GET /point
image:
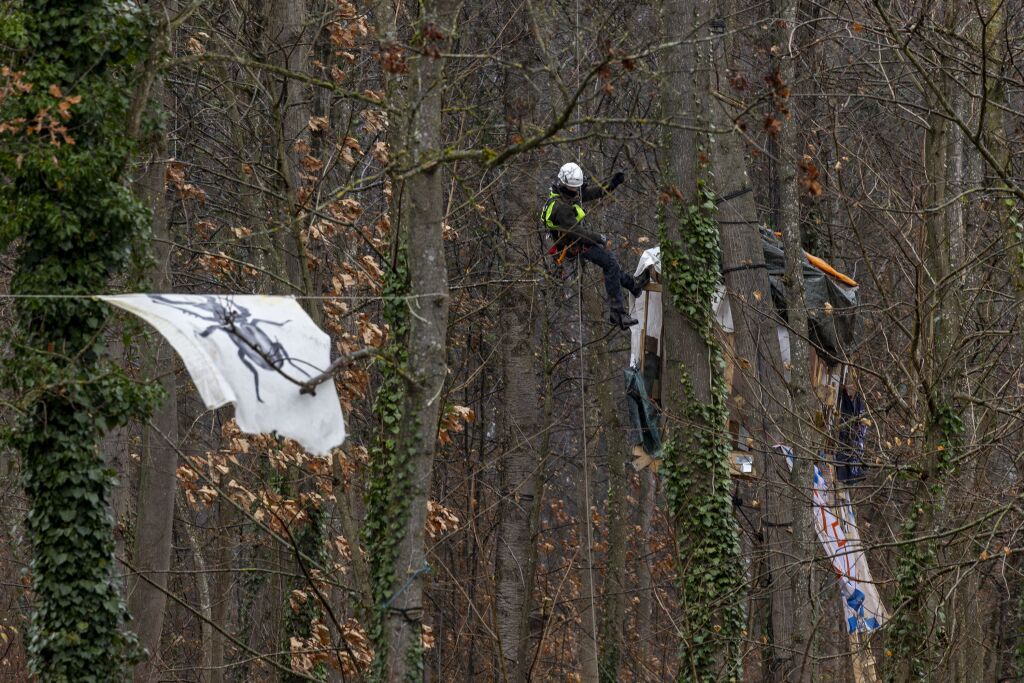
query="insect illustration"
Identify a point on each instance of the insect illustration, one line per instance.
(256, 348)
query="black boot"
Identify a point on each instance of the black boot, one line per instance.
(639, 282)
(621, 318)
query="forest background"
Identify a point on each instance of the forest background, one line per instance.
(387, 162)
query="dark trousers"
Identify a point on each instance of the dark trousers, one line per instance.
(614, 277)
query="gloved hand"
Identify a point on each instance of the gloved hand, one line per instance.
(618, 179)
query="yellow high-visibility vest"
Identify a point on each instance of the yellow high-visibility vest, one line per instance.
(550, 206)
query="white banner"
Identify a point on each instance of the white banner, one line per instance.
(238, 349)
(841, 541)
(646, 309)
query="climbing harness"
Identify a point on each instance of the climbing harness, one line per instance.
(569, 251)
(554, 230)
(549, 206)
(572, 250)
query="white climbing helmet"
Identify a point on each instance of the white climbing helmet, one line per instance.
(571, 175)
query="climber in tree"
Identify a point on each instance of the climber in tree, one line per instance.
(563, 216)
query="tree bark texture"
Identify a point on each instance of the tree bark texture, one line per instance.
(157, 483)
(759, 400)
(158, 468)
(289, 41)
(793, 629)
(525, 433)
(419, 207)
(696, 478)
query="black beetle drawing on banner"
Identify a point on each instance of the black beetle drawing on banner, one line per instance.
(256, 348)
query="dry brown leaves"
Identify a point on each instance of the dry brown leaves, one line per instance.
(346, 32)
(45, 123)
(380, 152)
(353, 658)
(453, 422)
(346, 211)
(174, 175)
(440, 520)
(809, 177)
(375, 121)
(318, 124)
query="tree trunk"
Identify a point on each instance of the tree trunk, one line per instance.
(151, 555)
(792, 630)
(289, 42)
(696, 470)
(606, 419)
(516, 551)
(759, 401)
(587, 606)
(522, 463)
(418, 210)
(645, 586)
(919, 630)
(70, 394)
(525, 657)
(423, 395)
(213, 653)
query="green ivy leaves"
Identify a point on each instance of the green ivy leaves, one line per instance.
(389, 484)
(77, 224)
(908, 635)
(696, 470)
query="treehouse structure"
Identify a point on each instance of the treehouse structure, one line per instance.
(831, 300)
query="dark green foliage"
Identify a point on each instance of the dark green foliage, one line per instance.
(75, 225)
(389, 485)
(696, 467)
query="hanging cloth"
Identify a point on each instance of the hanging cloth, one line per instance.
(643, 414)
(646, 309)
(238, 349)
(841, 541)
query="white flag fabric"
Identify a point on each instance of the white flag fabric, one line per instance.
(649, 307)
(872, 613)
(646, 308)
(863, 605)
(237, 348)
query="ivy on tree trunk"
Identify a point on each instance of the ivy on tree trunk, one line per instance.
(74, 224)
(696, 469)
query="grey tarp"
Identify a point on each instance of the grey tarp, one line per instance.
(643, 414)
(832, 331)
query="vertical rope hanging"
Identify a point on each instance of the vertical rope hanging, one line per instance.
(586, 457)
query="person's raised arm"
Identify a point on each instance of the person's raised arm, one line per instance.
(596, 191)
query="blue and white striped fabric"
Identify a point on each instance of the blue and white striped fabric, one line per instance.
(840, 538)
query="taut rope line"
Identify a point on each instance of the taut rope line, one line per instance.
(586, 459)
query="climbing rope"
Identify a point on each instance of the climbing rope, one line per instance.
(586, 457)
(583, 374)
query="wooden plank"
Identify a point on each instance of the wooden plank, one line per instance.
(863, 659)
(825, 267)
